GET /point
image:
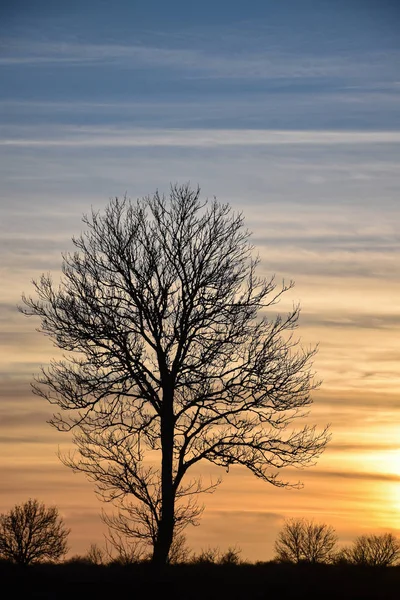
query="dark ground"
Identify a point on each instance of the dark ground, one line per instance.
(192, 582)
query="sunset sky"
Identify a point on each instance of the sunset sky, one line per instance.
(289, 111)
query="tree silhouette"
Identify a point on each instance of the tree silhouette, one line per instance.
(172, 358)
(30, 533)
(372, 550)
(305, 541)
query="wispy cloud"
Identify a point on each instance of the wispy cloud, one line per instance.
(354, 475)
(99, 136)
(24, 417)
(215, 63)
(356, 321)
(362, 447)
(37, 53)
(300, 109)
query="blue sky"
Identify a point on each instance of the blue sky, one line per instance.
(286, 65)
(289, 111)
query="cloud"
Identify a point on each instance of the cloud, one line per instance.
(7, 310)
(355, 405)
(24, 418)
(352, 241)
(205, 61)
(65, 53)
(246, 109)
(203, 138)
(355, 320)
(386, 356)
(362, 447)
(15, 387)
(20, 340)
(25, 252)
(342, 318)
(25, 245)
(247, 515)
(29, 439)
(52, 468)
(353, 475)
(58, 180)
(79, 515)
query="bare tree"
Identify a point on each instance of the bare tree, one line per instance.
(95, 555)
(172, 358)
(207, 556)
(30, 533)
(122, 550)
(305, 541)
(288, 546)
(179, 551)
(372, 550)
(231, 556)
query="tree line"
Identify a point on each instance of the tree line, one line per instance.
(30, 533)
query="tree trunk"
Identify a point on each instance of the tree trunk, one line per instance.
(166, 526)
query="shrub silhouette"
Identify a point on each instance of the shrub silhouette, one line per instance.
(214, 556)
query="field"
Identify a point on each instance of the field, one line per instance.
(233, 582)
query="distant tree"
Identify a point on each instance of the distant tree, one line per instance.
(95, 555)
(31, 533)
(179, 551)
(305, 541)
(173, 355)
(122, 550)
(231, 556)
(372, 550)
(208, 556)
